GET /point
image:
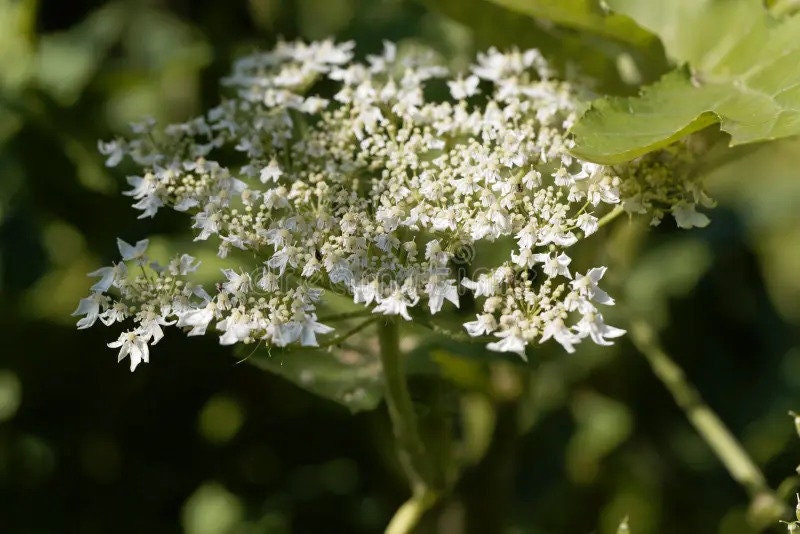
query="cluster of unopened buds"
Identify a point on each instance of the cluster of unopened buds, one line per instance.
(370, 179)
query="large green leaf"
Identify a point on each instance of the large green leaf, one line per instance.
(569, 35)
(744, 72)
(584, 15)
(17, 42)
(346, 377)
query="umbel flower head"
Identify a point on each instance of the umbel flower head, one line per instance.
(371, 179)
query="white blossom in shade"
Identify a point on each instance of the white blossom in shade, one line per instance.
(196, 319)
(686, 216)
(132, 252)
(556, 329)
(352, 177)
(483, 324)
(208, 223)
(462, 88)
(365, 292)
(235, 327)
(271, 173)
(307, 330)
(186, 204)
(511, 341)
(283, 258)
(151, 330)
(586, 285)
(588, 223)
(532, 179)
(237, 282)
(114, 314)
(485, 286)
(592, 325)
(268, 281)
(89, 307)
(149, 206)
(132, 345)
(108, 275)
(115, 151)
(525, 258)
(438, 292)
(143, 186)
(555, 265)
(396, 303)
(184, 265)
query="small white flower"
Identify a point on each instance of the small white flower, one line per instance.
(510, 342)
(237, 283)
(588, 223)
(564, 336)
(364, 292)
(483, 325)
(115, 151)
(305, 331)
(686, 216)
(90, 307)
(586, 285)
(395, 304)
(555, 265)
(462, 88)
(133, 345)
(532, 179)
(236, 327)
(271, 172)
(592, 325)
(132, 252)
(485, 286)
(440, 291)
(108, 276)
(184, 265)
(197, 319)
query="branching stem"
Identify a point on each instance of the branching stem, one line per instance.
(765, 504)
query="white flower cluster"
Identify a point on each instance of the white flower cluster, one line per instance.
(371, 179)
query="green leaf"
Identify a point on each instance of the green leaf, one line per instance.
(744, 72)
(671, 270)
(67, 60)
(616, 65)
(17, 41)
(343, 376)
(584, 15)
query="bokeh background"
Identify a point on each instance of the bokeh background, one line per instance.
(196, 442)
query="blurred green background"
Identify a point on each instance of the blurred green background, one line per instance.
(194, 442)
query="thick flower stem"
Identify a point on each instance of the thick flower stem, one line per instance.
(416, 463)
(409, 514)
(765, 506)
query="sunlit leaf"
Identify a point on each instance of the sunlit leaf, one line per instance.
(512, 23)
(17, 24)
(346, 377)
(744, 72)
(584, 15)
(602, 425)
(667, 271)
(66, 61)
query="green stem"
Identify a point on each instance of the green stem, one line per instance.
(344, 316)
(610, 216)
(359, 327)
(766, 507)
(416, 463)
(409, 514)
(462, 337)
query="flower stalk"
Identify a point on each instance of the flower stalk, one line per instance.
(417, 464)
(765, 508)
